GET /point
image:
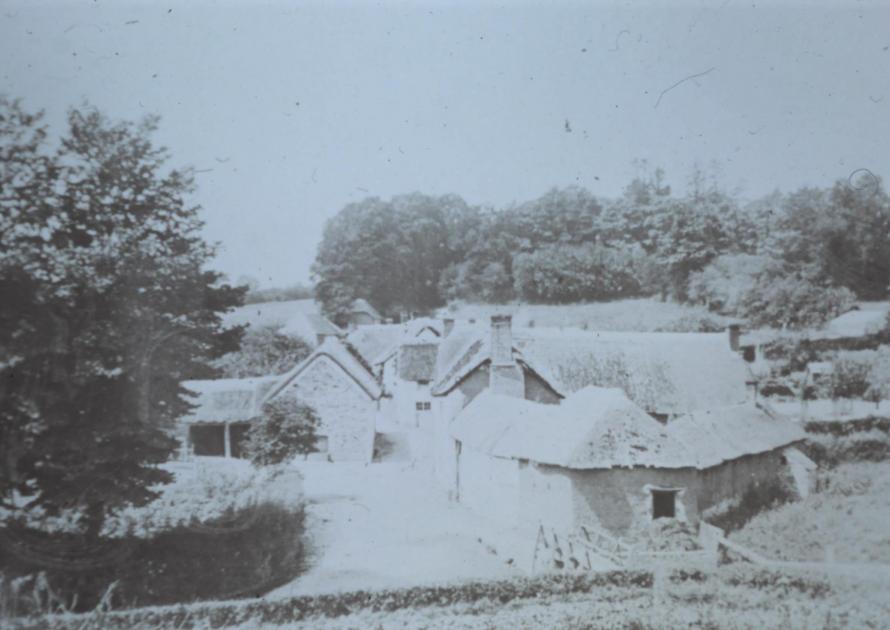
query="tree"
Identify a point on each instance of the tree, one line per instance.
(264, 351)
(285, 429)
(391, 253)
(787, 298)
(106, 305)
(879, 376)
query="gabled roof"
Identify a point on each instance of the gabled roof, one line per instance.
(361, 305)
(308, 326)
(336, 351)
(661, 372)
(379, 342)
(868, 318)
(226, 399)
(598, 428)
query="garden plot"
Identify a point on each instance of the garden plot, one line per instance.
(385, 525)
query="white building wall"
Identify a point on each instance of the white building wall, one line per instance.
(489, 485)
(346, 411)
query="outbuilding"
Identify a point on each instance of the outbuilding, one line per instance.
(598, 460)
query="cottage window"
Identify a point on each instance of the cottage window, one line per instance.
(422, 406)
(664, 504)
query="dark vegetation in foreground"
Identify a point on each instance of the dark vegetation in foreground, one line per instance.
(613, 585)
(244, 555)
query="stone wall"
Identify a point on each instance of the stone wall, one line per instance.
(347, 412)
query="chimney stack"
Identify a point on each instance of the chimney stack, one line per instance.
(448, 326)
(501, 340)
(734, 332)
(505, 375)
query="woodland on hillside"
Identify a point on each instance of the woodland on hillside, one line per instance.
(787, 259)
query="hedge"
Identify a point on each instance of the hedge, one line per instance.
(847, 427)
(318, 607)
(341, 604)
(256, 550)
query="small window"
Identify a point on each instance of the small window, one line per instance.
(664, 504)
(422, 406)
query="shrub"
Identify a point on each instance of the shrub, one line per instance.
(287, 428)
(757, 498)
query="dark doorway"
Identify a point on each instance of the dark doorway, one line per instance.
(208, 439)
(664, 503)
(238, 435)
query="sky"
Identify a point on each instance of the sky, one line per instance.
(292, 110)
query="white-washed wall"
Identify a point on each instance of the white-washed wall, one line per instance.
(489, 485)
(347, 412)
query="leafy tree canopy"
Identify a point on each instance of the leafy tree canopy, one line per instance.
(106, 304)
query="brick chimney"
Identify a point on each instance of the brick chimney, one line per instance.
(447, 326)
(734, 333)
(505, 376)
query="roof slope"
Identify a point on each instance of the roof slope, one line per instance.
(661, 372)
(340, 354)
(361, 305)
(599, 428)
(868, 319)
(308, 326)
(226, 399)
(594, 428)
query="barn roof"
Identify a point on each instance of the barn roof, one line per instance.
(226, 399)
(335, 350)
(867, 319)
(661, 372)
(361, 305)
(269, 313)
(601, 428)
(308, 326)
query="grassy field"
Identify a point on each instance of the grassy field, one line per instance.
(640, 315)
(849, 514)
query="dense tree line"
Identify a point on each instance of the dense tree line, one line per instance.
(785, 260)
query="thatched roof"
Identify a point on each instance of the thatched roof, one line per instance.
(227, 399)
(597, 428)
(308, 326)
(661, 372)
(361, 305)
(335, 350)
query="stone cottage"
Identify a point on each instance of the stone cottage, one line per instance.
(345, 394)
(598, 460)
(670, 380)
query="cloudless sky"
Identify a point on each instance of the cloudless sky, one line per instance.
(300, 108)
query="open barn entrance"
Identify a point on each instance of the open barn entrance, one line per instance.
(664, 504)
(208, 439)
